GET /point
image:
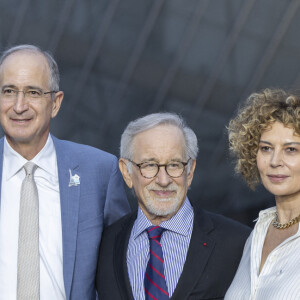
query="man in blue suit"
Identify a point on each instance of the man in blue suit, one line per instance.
(77, 189)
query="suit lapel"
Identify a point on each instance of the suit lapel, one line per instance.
(120, 259)
(69, 201)
(200, 249)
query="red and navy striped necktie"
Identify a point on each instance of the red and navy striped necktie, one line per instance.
(155, 282)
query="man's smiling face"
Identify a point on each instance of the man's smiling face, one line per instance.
(161, 196)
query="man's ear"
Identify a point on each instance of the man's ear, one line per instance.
(56, 103)
(190, 175)
(124, 170)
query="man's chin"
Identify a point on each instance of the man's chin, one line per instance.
(19, 139)
(162, 208)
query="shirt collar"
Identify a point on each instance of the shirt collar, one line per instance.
(46, 158)
(265, 214)
(43, 159)
(16, 161)
(180, 223)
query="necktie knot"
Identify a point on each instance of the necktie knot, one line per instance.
(30, 168)
(155, 232)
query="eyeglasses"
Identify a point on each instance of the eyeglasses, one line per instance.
(149, 169)
(10, 94)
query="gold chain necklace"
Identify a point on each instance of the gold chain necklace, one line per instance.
(278, 225)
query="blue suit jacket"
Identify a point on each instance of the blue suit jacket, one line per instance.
(86, 209)
(212, 259)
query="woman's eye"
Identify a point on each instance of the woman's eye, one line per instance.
(265, 148)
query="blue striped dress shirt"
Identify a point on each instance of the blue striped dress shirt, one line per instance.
(175, 243)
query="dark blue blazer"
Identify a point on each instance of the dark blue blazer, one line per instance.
(213, 256)
(86, 209)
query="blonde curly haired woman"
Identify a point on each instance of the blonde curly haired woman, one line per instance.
(265, 140)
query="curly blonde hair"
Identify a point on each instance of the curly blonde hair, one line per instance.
(257, 114)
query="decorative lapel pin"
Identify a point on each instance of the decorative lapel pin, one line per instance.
(74, 179)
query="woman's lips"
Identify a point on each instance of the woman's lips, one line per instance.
(277, 178)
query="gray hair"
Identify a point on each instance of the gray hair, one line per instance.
(151, 121)
(53, 68)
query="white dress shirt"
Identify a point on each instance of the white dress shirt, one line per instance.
(279, 278)
(175, 244)
(50, 230)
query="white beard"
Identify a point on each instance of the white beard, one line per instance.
(153, 206)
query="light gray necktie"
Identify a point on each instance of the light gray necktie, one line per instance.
(28, 286)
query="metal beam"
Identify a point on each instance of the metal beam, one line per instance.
(61, 24)
(267, 57)
(89, 62)
(184, 45)
(94, 51)
(261, 69)
(223, 56)
(138, 49)
(19, 19)
(113, 115)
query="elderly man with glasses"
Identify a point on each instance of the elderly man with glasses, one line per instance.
(169, 248)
